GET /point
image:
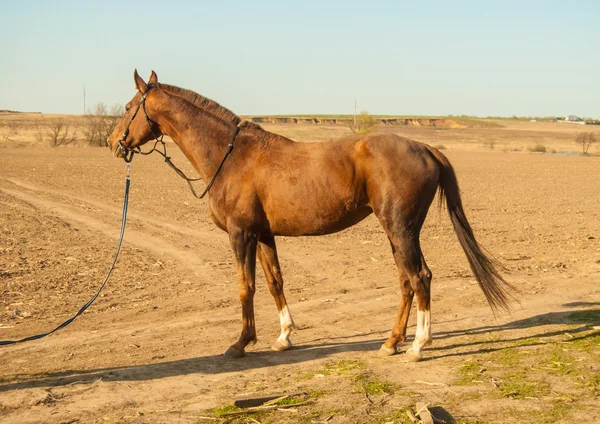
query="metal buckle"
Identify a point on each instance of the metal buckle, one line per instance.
(126, 151)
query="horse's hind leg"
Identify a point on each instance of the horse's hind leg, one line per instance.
(421, 284)
(267, 255)
(399, 330)
(415, 279)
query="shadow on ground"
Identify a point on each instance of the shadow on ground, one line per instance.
(217, 364)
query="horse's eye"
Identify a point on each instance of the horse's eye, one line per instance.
(127, 108)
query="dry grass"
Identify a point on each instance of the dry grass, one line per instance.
(33, 128)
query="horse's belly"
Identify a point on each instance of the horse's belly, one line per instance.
(306, 216)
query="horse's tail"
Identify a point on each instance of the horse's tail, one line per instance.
(485, 268)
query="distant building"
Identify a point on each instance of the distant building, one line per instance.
(573, 119)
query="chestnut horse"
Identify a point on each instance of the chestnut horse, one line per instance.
(272, 186)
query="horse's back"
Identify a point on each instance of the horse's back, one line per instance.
(319, 188)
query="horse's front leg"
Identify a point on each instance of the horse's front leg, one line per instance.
(243, 244)
(267, 255)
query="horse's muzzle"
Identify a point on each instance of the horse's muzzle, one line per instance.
(116, 150)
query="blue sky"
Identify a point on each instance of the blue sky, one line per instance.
(482, 58)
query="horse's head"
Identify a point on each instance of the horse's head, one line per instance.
(135, 127)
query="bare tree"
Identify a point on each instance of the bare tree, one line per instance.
(9, 130)
(100, 123)
(362, 123)
(60, 134)
(586, 139)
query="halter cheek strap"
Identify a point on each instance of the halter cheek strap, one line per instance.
(127, 151)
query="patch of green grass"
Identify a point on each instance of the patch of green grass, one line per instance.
(347, 365)
(373, 386)
(517, 385)
(288, 401)
(591, 382)
(527, 342)
(587, 343)
(560, 363)
(554, 412)
(469, 373)
(336, 368)
(397, 416)
(222, 410)
(509, 357)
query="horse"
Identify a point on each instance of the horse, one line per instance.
(263, 185)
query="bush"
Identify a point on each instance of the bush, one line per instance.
(539, 148)
(100, 123)
(586, 139)
(8, 131)
(60, 133)
(364, 122)
(491, 144)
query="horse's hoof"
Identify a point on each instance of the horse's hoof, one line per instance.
(412, 356)
(281, 346)
(386, 351)
(233, 352)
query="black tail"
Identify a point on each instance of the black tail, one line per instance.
(494, 286)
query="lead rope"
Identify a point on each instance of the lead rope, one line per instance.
(132, 151)
(89, 303)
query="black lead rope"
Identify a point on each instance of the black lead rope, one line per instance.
(89, 303)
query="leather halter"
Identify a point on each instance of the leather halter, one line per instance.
(128, 152)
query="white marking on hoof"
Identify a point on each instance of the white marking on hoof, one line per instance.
(412, 355)
(281, 346)
(287, 324)
(233, 352)
(386, 351)
(422, 335)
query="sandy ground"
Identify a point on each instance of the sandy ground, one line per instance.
(150, 349)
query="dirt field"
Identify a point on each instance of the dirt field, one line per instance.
(150, 349)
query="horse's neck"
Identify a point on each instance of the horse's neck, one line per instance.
(201, 137)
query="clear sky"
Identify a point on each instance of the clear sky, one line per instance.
(482, 58)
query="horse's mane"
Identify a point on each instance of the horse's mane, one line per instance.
(203, 103)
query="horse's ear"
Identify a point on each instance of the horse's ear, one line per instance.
(139, 82)
(153, 79)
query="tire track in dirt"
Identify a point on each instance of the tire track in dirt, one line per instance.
(200, 234)
(206, 238)
(141, 240)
